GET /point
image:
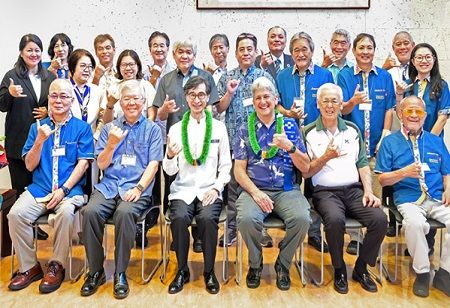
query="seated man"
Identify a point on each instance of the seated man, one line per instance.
(417, 164)
(343, 187)
(200, 178)
(267, 150)
(128, 151)
(57, 151)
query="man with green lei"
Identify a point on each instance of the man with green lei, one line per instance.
(198, 153)
(267, 150)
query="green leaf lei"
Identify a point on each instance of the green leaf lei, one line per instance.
(206, 141)
(252, 136)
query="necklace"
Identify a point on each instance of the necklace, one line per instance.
(206, 141)
(254, 142)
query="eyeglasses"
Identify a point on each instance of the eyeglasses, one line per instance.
(201, 96)
(411, 111)
(130, 65)
(136, 99)
(325, 102)
(83, 67)
(63, 97)
(427, 58)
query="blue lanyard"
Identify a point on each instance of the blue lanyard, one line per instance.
(81, 98)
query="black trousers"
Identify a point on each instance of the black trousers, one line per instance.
(207, 217)
(334, 204)
(19, 175)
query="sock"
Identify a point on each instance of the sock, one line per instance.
(360, 266)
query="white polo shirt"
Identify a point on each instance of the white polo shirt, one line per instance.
(342, 170)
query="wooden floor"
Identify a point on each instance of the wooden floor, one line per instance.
(154, 294)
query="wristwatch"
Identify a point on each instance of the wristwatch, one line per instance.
(65, 190)
(140, 187)
(292, 150)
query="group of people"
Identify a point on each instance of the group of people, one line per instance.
(244, 137)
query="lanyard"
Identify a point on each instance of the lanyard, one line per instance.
(82, 98)
(365, 78)
(423, 185)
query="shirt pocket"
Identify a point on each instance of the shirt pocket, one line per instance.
(71, 152)
(433, 160)
(142, 155)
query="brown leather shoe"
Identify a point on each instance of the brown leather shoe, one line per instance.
(22, 280)
(53, 278)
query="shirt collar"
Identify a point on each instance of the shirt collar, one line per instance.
(249, 70)
(124, 121)
(310, 69)
(190, 71)
(341, 124)
(358, 70)
(405, 133)
(202, 118)
(346, 64)
(64, 122)
(427, 79)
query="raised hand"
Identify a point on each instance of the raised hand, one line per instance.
(232, 86)
(266, 59)
(400, 87)
(40, 113)
(43, 132)
(15, 90)
(412, 171)
(155, 72)
(99, 71)
(281, 141)
(390, 62)
(169, 105)
(295, 112)
(210, 67)
(172, 148)
(115, 136)
(360, 97)
(112, 100)
(333, 151)
(56, 64)
(328, 58)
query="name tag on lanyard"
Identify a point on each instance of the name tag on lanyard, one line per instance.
(59, 150)
(128, 160)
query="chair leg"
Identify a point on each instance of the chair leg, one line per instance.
(165, 251)
(12, 261)
(396, 252)
(83, 269)
(145, 278)
(440, 243)
(239, 258)
(299, 263)
(225, 253)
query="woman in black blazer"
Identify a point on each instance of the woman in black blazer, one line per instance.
(23, 96)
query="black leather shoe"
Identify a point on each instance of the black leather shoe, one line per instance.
(365, 281)
(315, 242)
(253, 278)
(211, 283)
(421, 286)
(390, 232)
(178, 282)
(121, 288)
(197, 246)
(341, 284)
(352, 248)
(283, 279)
(92, 282)
(41, 234)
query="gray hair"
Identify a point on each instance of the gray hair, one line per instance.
(131, 85)
(402, 33)
(329, 86)
(299, 36)
(264, 83)
(62, 84)
(185, 43)
(409, 98)
(342, 32)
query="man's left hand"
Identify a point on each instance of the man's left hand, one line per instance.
(132, 195)
(370, 200)
(446, 198)
(57, 197)
(210, 197)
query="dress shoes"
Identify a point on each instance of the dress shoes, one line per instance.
(41, 234)
(232, 237)
(121, 288)
(178, 282)
(283, 278)
(253, 278)
(316, 243)
(341, 283)
(211, 283)
(22, 280)
(197, 246)
(441, 281)
(365, 281)
(92, 282)
(421, 286)
(53, 277)
(352, 248)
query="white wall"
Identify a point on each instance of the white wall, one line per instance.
(131, 22)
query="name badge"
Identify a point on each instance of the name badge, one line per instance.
(248, 102)
(59, 151)
(366, 106)
(299, 102)
(425, 167)
(128, 160)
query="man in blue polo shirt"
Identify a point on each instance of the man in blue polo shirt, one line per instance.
(369, 97)
(267, 151)
(417, 164)
(58, 151)
(337, 60)
(128, 151)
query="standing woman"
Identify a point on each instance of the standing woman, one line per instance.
(24, 98)
(428, 84)
(59, 51)
(129, 67)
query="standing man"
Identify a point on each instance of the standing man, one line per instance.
(298, 90)
(275, 60)
(417, 164)
(199, 155)
(128, 151)
(58, 151)
(158, 46)
(337, 60)
(267, 150)
(369, 97)
(105, 50)
(235, 93)
(402, 45)
(342, 187)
